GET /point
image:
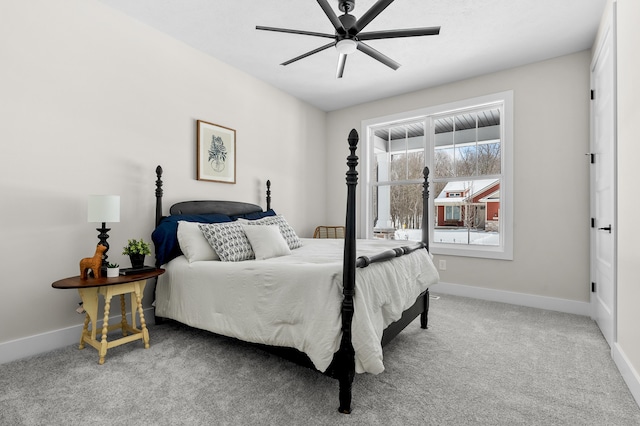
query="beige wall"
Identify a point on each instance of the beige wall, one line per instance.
(628, 320)
(551, 137)
(90, 102)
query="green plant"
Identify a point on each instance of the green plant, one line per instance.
(113, 265)
(136, 247)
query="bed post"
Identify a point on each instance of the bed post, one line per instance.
(424, 316)
(158, 194)
(158, 320)
(268, 195)
(425, 207)
(346, 354)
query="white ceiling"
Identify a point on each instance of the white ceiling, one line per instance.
(476, 37)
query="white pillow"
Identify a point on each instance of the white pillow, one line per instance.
(286, 230)
(193, 243)
(266, 241)
(228, 240)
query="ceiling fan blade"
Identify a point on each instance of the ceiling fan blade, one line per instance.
(319, 49)
(286, 30)
(378, 56)
(370, 14)
(342, 60)
(337, 24)
(409, 32)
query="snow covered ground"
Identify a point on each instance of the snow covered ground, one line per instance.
(452, 236)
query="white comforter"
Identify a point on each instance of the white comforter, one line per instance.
(295, 300)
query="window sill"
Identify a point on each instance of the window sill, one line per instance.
(486, 252)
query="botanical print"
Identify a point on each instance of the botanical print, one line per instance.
(216, 149)
(217, 154)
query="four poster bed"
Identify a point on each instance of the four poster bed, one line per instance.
(324, 303)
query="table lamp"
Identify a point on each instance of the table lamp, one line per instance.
(104, 208)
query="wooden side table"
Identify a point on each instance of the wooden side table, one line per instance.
(89, 290)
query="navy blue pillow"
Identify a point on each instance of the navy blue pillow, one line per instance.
(165, 236)
(254, 216)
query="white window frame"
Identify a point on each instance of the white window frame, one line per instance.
(502, 251)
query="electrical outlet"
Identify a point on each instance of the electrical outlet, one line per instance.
(442, 265)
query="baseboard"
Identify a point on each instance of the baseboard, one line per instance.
(629, 374)
(55, 339)
(530, 300)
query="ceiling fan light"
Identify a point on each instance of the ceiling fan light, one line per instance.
(346, 46)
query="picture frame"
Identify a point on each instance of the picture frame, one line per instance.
(216, 153)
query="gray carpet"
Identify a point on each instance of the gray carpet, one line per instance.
(480, 362)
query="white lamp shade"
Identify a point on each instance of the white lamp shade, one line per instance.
(104, 208)
(346, 46)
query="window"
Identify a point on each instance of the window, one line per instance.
(452, 213)
(467, 147)
(398, 161)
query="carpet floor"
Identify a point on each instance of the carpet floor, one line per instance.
(479, 363)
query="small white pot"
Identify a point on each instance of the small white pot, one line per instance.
(113, 272)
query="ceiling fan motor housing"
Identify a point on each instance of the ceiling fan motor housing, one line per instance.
(348, 22)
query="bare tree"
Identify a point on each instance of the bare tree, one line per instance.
(406, 200)
(443, 167)
(489, 159)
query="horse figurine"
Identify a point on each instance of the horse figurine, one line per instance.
(94, 263)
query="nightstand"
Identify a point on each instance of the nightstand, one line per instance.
(89, 290)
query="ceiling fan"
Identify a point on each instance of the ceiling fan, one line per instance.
(348, 36)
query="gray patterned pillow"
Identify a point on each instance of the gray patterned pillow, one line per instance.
(285, 229)
(228, 240)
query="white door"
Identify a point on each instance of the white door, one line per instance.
(603, 189)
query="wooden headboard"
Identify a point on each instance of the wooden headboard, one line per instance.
(229, 208)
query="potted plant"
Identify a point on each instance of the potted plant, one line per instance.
(136, 250)
(113, 270)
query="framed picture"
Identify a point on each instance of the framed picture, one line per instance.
(216, 158)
